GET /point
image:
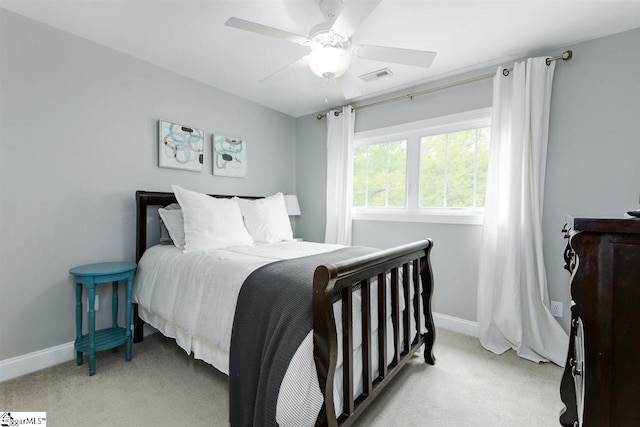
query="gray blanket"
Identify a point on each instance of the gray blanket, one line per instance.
(273, 315)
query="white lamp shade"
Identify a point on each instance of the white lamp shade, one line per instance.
(329, 62)
(291, 202)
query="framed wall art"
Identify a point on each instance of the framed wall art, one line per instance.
(180, 147)
(229, 157)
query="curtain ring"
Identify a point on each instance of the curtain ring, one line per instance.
(548, 61)
(336, 113)
(505, 72)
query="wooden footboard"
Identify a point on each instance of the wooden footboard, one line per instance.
(343, 278)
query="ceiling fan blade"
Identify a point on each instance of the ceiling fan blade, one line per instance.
(254, 27)
(417, 58)
(349, 86)
(353, 14)
(287, 70)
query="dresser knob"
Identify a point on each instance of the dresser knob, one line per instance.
(576, 372)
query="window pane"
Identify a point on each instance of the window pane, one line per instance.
(453, 169)
(432, 171)
(397, 174)
(380, 174)
(377, 175)
(461, 153)
(360, 176)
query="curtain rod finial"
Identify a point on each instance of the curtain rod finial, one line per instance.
(567, 55)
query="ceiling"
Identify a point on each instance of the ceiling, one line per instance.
(190, 38)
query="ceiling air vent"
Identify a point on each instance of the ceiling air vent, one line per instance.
(375, 75)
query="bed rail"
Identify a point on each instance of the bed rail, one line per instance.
(344, 278)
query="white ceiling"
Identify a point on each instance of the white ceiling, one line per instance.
(190, 38)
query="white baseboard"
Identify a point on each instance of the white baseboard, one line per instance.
(456, 324)
(31, 362)
(41, 359)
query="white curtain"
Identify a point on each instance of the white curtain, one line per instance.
(513, 300)
(340, 130)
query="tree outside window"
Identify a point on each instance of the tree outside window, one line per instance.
(453, 169)
(380, 175)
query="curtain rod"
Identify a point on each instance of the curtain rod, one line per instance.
(565, 56)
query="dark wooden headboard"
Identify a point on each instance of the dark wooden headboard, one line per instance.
(145, 199)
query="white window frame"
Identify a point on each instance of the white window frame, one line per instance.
(413, 132)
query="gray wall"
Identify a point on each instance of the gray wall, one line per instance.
(594, 143)
(591, 164)
(79, 137)
(311, 177)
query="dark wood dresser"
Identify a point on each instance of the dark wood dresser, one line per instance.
(601, 381)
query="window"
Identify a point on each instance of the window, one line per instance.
(380, 175)
(433, 170)
(453, 169)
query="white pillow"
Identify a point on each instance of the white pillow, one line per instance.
(165, 238)
(173, 221)
(210, 223)
(266, 219)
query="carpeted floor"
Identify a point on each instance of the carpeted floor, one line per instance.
(468, 386)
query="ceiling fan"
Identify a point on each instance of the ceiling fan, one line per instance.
(331, 46)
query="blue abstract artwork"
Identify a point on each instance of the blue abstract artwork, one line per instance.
(180, 147)
(229, 156)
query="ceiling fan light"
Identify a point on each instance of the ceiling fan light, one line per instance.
(329, 62)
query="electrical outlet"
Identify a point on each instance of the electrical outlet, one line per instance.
(96, 305)
(556, 308)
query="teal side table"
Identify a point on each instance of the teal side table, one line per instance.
(91, 275)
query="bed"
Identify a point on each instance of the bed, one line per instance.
(350, 353)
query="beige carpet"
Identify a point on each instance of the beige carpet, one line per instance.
(468, 386)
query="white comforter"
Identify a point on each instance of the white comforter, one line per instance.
(192, 297)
